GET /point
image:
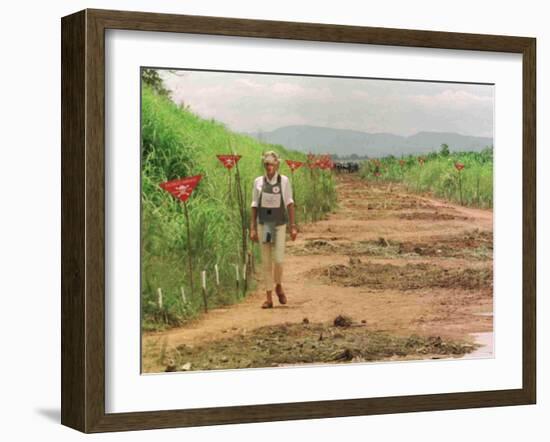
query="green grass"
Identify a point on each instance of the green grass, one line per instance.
(473, 186)
(176, 143)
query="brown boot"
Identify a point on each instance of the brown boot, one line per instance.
(268, 303)
(280, 294)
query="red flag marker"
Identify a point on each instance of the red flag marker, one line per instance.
(228, 161)
(182, 188)
(325, 162)
(294, 165)
(310, 161)
(459, 166)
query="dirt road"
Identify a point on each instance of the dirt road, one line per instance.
(396, 263)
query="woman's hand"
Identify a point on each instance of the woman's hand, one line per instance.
(293, 232)
(253, 234)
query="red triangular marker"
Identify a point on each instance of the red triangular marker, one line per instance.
(294, 164)
(229, 161)
(182, 188)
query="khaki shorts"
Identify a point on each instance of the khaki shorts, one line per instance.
(272, 256)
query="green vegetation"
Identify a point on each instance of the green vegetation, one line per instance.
(438, 173)
(176, 143)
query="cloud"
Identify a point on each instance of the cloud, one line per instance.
(451, 99)
(252, 102)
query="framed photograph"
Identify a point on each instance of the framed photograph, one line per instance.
(267, 220)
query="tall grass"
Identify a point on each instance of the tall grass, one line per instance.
(472, 186)
(176, 143)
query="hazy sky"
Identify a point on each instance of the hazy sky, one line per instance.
(260, 102)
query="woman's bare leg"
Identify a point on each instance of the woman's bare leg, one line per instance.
(278, 258)
(267, 266)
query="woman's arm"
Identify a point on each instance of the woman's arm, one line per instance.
(291, 218)
(290, 208)
(254, 213)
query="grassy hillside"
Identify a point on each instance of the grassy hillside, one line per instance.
(471, 186)
(177, 143)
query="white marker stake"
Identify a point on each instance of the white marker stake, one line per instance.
(184, 299)
(159, 293)
(244, 272)
(217, 275)
(237, 278)
(203, 275)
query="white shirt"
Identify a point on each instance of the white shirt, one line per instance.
(285, 184)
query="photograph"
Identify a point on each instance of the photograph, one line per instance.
(307, 220)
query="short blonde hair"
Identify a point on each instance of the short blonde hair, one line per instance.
(270, 157)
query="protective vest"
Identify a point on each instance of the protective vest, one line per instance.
(272, 206)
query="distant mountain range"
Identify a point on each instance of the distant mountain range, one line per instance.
(346, 142)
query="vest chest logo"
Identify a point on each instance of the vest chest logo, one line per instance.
(270, 200)
(276, 189)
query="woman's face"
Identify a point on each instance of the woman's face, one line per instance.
(270, 168)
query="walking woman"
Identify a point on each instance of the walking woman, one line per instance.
(271, 200)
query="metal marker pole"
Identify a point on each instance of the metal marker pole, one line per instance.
(293, 190)
(237, 278)
(230, 188)
(203, 274)
(189, 247)
(240, 198)
(460, 185)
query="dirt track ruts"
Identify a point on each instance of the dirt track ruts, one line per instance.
(378, 224)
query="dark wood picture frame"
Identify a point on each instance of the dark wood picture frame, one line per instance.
(83, 220)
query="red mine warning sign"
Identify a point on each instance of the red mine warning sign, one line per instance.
(183, 187)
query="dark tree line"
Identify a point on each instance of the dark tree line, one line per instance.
(152, 78)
